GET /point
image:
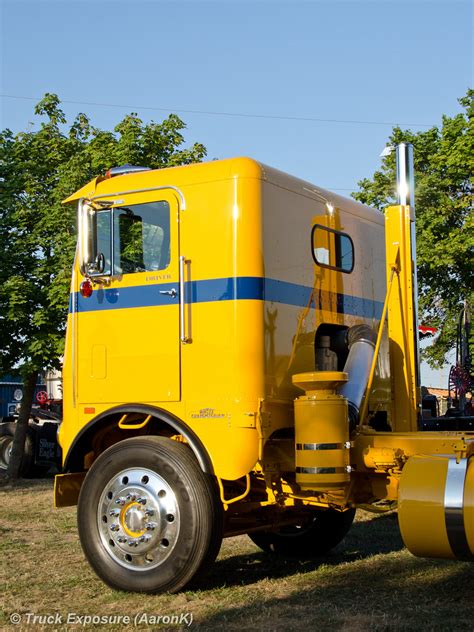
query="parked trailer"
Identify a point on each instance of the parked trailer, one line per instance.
(228, 370)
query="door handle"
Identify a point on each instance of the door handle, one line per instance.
(182, 325)
(173, 293)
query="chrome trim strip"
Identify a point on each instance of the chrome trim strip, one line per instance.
(321, 470)
(77, 259)
(320, 446)
(168, 186)
(453, 508)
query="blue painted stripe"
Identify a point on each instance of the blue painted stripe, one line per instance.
(225, 289)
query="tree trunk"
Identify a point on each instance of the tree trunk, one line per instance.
(18, 446)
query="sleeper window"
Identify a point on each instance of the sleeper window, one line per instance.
(332, 249)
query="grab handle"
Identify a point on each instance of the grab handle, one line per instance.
(182, 325)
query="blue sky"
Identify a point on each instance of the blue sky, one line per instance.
(376, 61)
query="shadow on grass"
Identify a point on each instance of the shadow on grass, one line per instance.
(358, 589)
(365, 539)
(44, 482)
(390, 595)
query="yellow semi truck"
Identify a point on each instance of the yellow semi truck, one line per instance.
(241, 357)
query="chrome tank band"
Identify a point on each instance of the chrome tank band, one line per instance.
(322, 446)
(454, 508)
(323, 470)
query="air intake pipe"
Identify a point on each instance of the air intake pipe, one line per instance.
(361, 341)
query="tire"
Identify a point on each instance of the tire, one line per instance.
(150, 520)
(6, 442)
(312, 539)
(28, 468)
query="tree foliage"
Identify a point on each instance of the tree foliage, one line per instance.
(38, 169)
(444, 168)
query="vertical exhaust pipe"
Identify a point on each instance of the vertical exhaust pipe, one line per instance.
(405, 175)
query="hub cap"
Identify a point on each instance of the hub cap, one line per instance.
(138, 519)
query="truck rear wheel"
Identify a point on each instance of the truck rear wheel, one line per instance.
(6, 443)
(28, 467)
(315, 537)
(149, 518)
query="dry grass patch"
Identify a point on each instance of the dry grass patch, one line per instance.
(369, 582)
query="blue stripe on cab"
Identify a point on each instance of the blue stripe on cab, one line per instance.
(127, 297)
(225, 289)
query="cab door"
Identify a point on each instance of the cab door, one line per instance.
(128, 329)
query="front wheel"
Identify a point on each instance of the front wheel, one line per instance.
(149, 519)
(312, 538)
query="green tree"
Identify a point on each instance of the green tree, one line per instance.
(38, 169)
(444, 168)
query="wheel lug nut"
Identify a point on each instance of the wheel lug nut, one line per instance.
(150, 526)
(145, 538)
(149, 512)
(121, 539)
(131, 497)
(132, 543)
(114, 527)
(120, 501)
(114, 512)
(141, 500)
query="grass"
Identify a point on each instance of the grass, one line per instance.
(369, 582)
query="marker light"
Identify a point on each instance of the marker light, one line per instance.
(86, 288)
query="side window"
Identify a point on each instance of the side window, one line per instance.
(104, 240)
(332, 249)
(344, 252)
(141, 237)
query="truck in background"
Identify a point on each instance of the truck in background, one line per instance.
(41, 451)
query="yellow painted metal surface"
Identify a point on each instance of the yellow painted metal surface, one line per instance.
(321, 432)
(133, 355)
(401, 319)
(468, 502)
(404, 445)
(110, 339)
(435, 508)
(254, 302)
(66, 489)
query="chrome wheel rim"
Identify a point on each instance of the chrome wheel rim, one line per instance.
(138, 519)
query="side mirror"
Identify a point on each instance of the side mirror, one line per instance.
(97, 266)
(99, 263)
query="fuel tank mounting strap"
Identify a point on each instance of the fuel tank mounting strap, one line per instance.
(453, 508)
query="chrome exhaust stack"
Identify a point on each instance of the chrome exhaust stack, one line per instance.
(406, 197)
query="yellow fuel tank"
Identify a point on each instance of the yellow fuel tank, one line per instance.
(436, 507)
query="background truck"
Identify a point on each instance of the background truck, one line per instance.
(41, 450)
(241, 357)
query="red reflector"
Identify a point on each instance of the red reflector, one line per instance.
(86, 288)
(89, 411)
